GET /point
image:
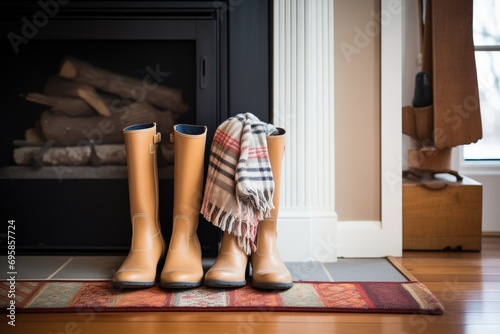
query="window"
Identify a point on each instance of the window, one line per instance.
(486, 30)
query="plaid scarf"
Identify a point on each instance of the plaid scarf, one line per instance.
(239, 188)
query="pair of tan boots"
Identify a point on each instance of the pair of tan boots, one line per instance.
(183, 262)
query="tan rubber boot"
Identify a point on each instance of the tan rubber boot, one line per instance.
(230, 266)
(268, 270)
(148, 246)
(183, 266)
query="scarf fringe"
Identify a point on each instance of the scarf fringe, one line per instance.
(240, 186)
(244, 230)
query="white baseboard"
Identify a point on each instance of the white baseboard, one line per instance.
(304, 237)
(322, 238)
(366, 239)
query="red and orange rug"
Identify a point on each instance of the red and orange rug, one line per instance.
(365, 297)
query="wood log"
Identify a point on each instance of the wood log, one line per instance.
(59, 86)
(162, 97)
(23, 143)
(166, 152)
(34, 135)
(75, 106)
(108, 154)
(71, 106)
(66, 130)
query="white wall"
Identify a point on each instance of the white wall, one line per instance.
(488, 175)
(491, 193)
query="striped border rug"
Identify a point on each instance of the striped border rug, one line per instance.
(364, 297)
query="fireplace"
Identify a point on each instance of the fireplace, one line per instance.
(216, 53)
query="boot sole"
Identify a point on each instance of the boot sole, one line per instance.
(133, 285)
(272, 286)
(224, 284)
(180, 285)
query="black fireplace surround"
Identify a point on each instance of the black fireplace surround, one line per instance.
(217, 52)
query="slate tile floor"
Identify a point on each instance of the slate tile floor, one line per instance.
(103, 268)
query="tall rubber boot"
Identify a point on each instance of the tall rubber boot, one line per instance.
(268, 270)
(148, 246)
(183, 266)
(228, 270)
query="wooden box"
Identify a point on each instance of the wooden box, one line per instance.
(442, 214)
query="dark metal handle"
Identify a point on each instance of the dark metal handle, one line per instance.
(203, 72)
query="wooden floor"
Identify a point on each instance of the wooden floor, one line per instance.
(468, 285)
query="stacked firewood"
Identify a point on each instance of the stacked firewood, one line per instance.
(87, 109)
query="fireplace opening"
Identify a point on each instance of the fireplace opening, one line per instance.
(69, 110)
(63, 174)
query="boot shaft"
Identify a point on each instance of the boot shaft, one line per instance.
(269, 271)
(276, 150)
(138, 270)
(189, 153)
(183, 267)
(140, 145)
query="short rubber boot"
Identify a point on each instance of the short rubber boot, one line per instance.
(183, 265)
(147, 246)
(229, 268)
(268, 270)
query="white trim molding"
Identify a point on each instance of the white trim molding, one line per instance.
(384, 238)
(488, 174)
(303, 73)
(470, 168)
(303, 105)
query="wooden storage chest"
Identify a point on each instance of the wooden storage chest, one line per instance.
(448, 218)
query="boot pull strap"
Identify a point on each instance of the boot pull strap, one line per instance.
(157, 138)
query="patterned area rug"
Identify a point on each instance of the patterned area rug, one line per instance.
(366, 297)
